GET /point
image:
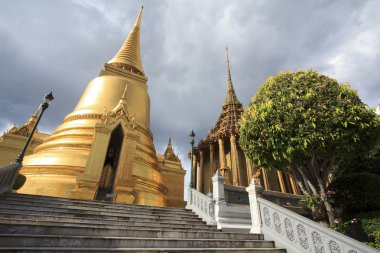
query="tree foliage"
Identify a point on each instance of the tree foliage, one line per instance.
(356, 192)
(367, 162)
(305, 121)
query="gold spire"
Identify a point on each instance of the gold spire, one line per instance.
(231, 96)
(128, 56)
(169, 152)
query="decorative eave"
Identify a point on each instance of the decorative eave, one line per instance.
(120, 112)
(228, 122)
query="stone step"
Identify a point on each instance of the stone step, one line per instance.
(94, 220)
(43, 228)
(30, 223)
(21, 240)
(102, 225)
(108, 207)
(131, 211)
(95, 203)
(85, 213)
(143, 250)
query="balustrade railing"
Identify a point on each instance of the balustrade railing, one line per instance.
(236, 195)
(282, 199)
(202, 205)
(299, 234)
(8, 175)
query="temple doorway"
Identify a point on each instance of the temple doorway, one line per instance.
(107, 178)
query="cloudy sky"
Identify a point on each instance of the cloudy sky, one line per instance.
(61, 45)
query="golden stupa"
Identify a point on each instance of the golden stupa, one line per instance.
(104, 148)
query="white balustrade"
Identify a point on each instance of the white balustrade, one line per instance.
(299, 234)
(216, 211)
(202, 205)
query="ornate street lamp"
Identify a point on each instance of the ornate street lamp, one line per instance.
(44, 105)
(192, 138)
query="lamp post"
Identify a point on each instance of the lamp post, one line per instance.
(192, 137)
(44, 105)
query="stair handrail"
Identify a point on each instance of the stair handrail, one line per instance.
(8, 175)
(297, 233)
(202, 205)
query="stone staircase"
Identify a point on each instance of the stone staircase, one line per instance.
(30, 223)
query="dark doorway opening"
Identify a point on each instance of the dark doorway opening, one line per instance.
(107, 178)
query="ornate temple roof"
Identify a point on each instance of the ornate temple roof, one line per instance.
(229, 117)
(25, 129)
(128, 57)
(169, 152)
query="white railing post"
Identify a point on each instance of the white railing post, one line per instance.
(189, 199)
(218, 186)
(253, 192)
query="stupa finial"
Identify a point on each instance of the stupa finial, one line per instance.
(129, 56)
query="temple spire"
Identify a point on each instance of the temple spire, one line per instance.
(231, 96)
(228, 121)
(122, 105)
(25, 129)
(128, 57)
(169, 152)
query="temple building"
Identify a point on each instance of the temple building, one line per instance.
(103, 149)
(221, 150)
(13, 140)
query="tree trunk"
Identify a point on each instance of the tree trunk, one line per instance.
(299, 182)
(306, 178)
(322, 188)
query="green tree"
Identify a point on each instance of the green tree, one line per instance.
(305, 121)
(367, 162)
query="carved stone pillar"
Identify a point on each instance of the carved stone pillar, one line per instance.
(236, 178)
(222, 161)
(200, 171)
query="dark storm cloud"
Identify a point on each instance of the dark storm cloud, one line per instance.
(62, 45)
